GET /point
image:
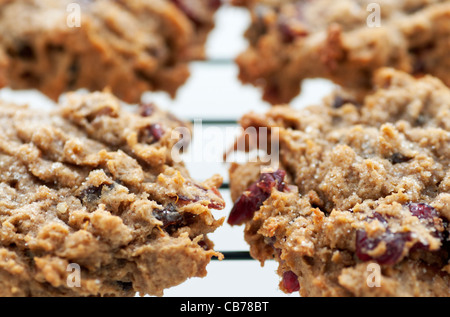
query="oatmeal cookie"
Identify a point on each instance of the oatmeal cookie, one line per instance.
(360, 202)
(94, 186)
(129, 46)
(292, 40)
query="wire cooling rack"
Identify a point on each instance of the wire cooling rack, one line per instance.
(213, 100)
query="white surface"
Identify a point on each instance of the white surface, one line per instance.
(233, 279)
(213, 92)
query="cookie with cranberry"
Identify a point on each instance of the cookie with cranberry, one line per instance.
(129, 46)
(93, 203)
(343, 41)
(360, 202)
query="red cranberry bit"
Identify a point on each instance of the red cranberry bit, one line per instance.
(216, 205)
(393, 241)
(216, 192)
(203, 245)
(268, 180)
(189, 9)
(379, 217)
(184, 199)
(255, 195)
(151, 134)
(157, 131)
(246, 205)
(169, 216)
(289, 33)
(431, 218)
(363, 243)
(146, 109)
(290, 282)
(214, 4)
(423, 211)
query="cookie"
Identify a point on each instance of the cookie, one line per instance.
(342, 41)
(93, 203)
(129, 46)
(360, 202)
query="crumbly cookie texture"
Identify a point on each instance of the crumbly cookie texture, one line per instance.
(292, 40)
(95, 186)
(129, 46)
(360, 204)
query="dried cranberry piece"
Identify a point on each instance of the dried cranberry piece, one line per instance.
(246, 205)
(216, 205)
(363, 243)
(379, 217)
(253, 198)
(431, 218)
(189, 10)
(266, 181)
(157, 131)
(214, 4)
(203, 245)
(146, 109)
(423, 211)
(288, 33)
(169, 216)
(184, 199)
(151, 134)
(290, 282)
(394, 242)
